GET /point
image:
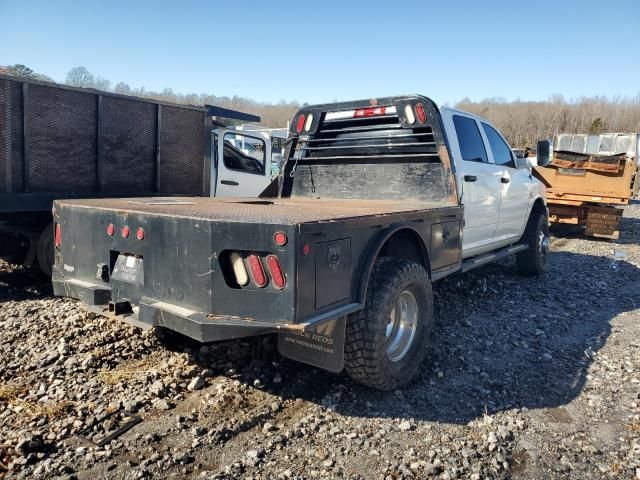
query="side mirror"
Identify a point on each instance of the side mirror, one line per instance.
(525, 162)
(543, 153)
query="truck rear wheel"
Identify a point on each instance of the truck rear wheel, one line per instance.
(44, 250)
(536, 234)
(386, 341)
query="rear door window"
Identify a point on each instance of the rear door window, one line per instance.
(469, 138)
(502, 154)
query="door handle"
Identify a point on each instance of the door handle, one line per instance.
(229, 182)
(505, 179)
(470, 178)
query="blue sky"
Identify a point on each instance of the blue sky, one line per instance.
(336, 50)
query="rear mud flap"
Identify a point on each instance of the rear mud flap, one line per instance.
(322, 347)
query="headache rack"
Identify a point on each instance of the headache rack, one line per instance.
(391, 148)
(368, 137)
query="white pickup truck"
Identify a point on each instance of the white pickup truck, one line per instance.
(377, 199)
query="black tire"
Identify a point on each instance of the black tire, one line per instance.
(44, 250)
(533, 260)
(366, 357)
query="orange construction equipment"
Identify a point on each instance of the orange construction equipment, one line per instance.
(589, 177)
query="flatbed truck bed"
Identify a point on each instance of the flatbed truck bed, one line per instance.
(339, 261)
(284, 211)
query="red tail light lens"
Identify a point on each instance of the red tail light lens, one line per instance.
(300, 123)
(369, 112)
(111, 230)
(275, 270)
(306, 249)
(420, 113)
(140, 233)
(57, 238)
(280, 238)
(257, 272)
(125, 231)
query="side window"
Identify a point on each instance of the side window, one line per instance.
(243, 153)
(501, 152)
(471, 145)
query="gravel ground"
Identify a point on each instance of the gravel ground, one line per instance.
(527, 379)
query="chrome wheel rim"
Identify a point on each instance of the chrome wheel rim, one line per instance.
(545, 242)
(402, 326)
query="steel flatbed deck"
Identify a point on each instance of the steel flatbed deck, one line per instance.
(283, 211)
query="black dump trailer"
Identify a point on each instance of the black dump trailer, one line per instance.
(61, 142)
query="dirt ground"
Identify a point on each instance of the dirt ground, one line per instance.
(527, 378)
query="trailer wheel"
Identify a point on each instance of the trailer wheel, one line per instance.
(44, 251)
(386, 341)
(536, 234)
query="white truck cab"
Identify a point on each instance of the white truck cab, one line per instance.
(497, 189)
(243, 161)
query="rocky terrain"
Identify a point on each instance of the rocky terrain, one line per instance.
(527, 379)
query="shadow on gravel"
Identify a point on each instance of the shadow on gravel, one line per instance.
(23, 283)
(501, 341)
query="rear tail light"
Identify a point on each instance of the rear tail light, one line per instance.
(140, 233)
(257, 272)
(300, 123)
(408, 112)
(111, 230)
(57, 237)
(277, 277)
(420, 113)
(369, 112)
(239, 270)
(125, 232)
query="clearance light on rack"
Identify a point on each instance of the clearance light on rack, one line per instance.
(408, 113)
(421, 113)
(369, 112)
(360, 113)
(300, 123)
(307, 124)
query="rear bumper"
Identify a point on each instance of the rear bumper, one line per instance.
(200, 326)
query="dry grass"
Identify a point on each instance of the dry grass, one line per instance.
(10, 395)
(130, 371)
(616, 469)
(634, 427)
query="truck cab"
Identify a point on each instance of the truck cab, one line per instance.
(244, 161)
(496, 187)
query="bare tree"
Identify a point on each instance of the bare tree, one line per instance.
(523, 123)
(79, 77)
(122, 88)
(101, 83)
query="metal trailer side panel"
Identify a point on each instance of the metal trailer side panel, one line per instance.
(64, 142)
(576, 185)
